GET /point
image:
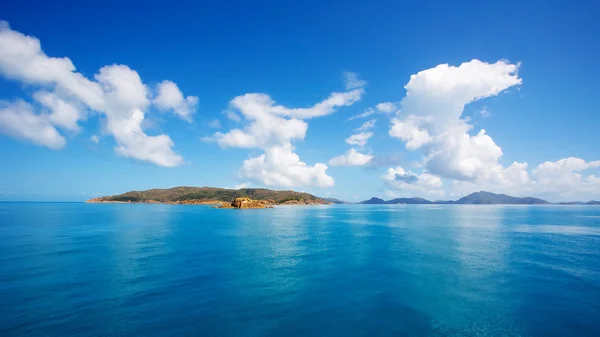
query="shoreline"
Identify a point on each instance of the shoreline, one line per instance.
(205, 202)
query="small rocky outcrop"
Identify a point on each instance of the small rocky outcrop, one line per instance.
(247, 203)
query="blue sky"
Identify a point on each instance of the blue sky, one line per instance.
(150, 100)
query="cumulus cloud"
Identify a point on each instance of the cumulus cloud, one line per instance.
(125, 99)
(408, 130)
(272, 127)
(18, 120)
(387, 107)
(116, 92)
(63, 114)
(562, 169)
(430, 118)
(280, 166)
(565, 178)
(408, 184)
(430, 121)
(270, 124)
(367, 125)
(351, 158)
(170, 98)
(265, 127)
(561, 180)
(359, 139)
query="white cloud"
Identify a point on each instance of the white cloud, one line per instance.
(22, 59)
(95, 139)
(381, 108)
(359, 139)
(280, 166)
(430, 118)
(410, 132)
(564, 177)
(18, 120)
(387, 107)
(366, 113)
(169, 97)
(64, 114)
(592, 180)
(407, 184)
(266, 131)
(562, 169)
(562, 180)
(270, 124)
(352, 81)
(117, 92)
(125, 99)
(351, 158)
(367, 125)
(132, 142)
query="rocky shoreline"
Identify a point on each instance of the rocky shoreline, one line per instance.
(247, 203)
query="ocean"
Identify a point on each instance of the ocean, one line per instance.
(75, 269)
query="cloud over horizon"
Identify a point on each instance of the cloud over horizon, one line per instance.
(430, 120)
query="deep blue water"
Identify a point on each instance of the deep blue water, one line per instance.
(349, 270)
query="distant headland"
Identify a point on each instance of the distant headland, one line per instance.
(477, 198)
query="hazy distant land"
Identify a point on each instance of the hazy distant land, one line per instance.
(477, 198)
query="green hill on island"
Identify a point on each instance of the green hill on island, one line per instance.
(186, 194)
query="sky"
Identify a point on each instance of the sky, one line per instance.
(341, 99)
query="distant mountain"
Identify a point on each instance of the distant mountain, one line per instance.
(335, 201)
(591, 202)
(409, 201)
(478, 198)
(373, 201)
(482, 197)
(186, 194)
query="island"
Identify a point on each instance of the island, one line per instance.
(225, 198)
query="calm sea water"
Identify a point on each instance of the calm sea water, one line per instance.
(343, 270)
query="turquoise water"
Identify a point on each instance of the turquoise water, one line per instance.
(342, 270)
